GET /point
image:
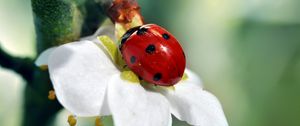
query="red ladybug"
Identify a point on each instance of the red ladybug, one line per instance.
(153, 54)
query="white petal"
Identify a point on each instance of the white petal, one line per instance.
(192, 79)
(108, 30)
(42, 59)
(132, 105)
(191, 103)
(170, 120)
(105, 110)
(80, 72)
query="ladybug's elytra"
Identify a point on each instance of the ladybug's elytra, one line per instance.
(153, 54)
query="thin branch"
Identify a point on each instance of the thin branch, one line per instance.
(22, 66)
(94, 16)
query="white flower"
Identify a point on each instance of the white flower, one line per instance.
(88, 83)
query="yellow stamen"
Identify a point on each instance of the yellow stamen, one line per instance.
(44, 67)
(110, 46)
(170, 88)
(112, 50)
(51, 95)
(98, 122)
(72, 120)
(130, 76)
(167, 88)
(184, 77)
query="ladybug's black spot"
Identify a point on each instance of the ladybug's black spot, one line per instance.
(132, 59)
(150, 49)
(165, 36)
(157, 76)
(142, 31)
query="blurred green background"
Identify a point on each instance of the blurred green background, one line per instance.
(247, 52)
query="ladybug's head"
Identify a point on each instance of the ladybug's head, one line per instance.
(127, 35)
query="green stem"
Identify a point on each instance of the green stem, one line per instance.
(22, 66)
(56, 22)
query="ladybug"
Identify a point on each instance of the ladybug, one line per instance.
(153, 54)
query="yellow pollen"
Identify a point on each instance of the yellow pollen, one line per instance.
(184, 77)
(98, 122)
(72, 120)
(112, 49)
(130, 76)
(51, 95)
(171, 88)
(110, 46)
(44, 67)
(167, 88)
